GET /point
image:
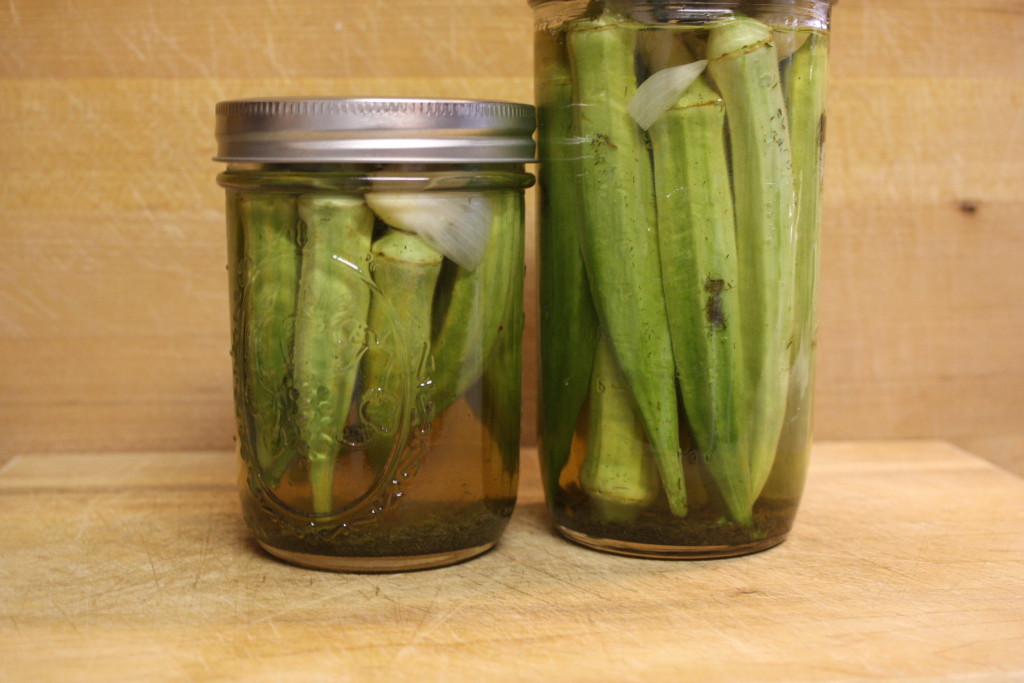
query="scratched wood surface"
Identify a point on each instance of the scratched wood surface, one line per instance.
(906, 564)
(113, 312)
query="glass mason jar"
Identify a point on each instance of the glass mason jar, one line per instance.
(680, 147)
(375, 260)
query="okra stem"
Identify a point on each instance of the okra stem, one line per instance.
(330, 328)
(744, 66)
(696, 232)
(619, 243)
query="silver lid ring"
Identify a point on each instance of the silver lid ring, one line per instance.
(374, 130)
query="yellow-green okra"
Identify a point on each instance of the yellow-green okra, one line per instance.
(743, 63)
(619, 240)
(330, 328)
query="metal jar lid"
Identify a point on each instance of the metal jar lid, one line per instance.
(374, 130)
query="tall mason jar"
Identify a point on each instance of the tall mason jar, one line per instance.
(375, 262)
(681, 160)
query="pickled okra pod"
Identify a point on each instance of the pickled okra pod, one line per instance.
(619, 243)
(271, 251)
(330, 328)
(502, 390)
(618, 475)
(803, 81)
(697, 241)
(501, 380)
(404, 270)
(744, 65)
(568, 323)
(451, 326)
(469, 308)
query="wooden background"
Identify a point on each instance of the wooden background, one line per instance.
(113, 309)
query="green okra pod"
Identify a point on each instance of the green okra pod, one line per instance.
(502, 376)
(269, 223)
(502, 390)
(568, 322)
(743, 63)
(804, 80)
(619, 243)
(405, 270)
(330, 328)
(237, 244)
(468, 310)
(619, 476)
(697, 240)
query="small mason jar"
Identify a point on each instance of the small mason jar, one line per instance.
(681, 154)
(375, 261)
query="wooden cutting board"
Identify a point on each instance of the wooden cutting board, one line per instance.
(906, 563)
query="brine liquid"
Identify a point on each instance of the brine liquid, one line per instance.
(411, 473)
